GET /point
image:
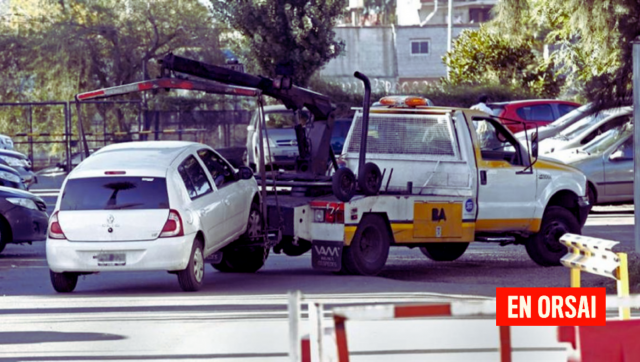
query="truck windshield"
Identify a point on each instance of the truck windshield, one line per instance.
(404, 135)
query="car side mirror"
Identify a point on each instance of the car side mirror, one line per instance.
(245, 173)
(617, 156)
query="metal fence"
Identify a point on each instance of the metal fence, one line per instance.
(48, 132)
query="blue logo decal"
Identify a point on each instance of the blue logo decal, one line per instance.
(468, 205)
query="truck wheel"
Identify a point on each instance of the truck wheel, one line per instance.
(343, 184)
(191, 278)
(246, 259)
(369, 249)
(545, 248)
(444, 251)
(63, 282)
(371, 179)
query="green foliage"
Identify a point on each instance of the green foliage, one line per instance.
(462, 95)
(386, 9)
(486, 57)
(592, 41)
(54, 49)
(297, 32)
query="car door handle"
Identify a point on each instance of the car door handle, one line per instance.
(483, 177)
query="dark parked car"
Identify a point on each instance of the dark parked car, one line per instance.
(339, 134)
(22, 217)
(536, 111)
(21, 163)
(10, 177)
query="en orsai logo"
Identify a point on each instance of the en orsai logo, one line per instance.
(551, 306)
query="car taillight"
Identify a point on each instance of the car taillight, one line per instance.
(327, 212)
(55, 231)
(173, 226)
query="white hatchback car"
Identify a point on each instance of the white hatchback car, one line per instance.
(155, 205)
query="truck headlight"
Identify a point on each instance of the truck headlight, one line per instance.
(29, 204)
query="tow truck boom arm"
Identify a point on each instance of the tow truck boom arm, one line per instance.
(294, 98)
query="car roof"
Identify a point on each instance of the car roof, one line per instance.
(532, 101)
(142, 158)
(13, 154)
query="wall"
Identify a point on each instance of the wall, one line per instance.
(371, 50)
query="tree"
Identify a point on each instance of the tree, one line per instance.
(60, 48)
(294, 32)
(591, 38)
(484, 56)
(385, 9)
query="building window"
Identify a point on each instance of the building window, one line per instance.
(419, 47)
(479, 15)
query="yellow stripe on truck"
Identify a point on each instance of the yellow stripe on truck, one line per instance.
(532, 225)
(403, 233)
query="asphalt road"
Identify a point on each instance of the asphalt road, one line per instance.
(23, 271)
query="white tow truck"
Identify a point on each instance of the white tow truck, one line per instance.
(450, 176)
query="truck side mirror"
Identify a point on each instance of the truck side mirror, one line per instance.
(534, 146)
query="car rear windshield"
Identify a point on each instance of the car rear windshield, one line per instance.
(114, 193)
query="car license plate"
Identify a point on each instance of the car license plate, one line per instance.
(111, 259)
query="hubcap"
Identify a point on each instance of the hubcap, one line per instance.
(198, 265)
(253, 227)
(552, 236)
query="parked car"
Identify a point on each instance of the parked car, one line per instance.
(556, 126)
(52, 177)
(21, 163)
(154, 205)
(339, 134)
(6, 142)
(10, 177)
(23, 217)
(586, 130)
(536, 111)
(607, 161)
(281, 143)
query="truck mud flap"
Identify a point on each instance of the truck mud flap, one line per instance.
(327, 255)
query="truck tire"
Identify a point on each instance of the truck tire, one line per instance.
(369, 249)
(371, 179)
(63, 282)
(343, 184)
(192, 277)
(545, 248)
(444, 251)
(245, 259)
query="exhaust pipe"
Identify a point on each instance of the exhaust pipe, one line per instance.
(365, 121)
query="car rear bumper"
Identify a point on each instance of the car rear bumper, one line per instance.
(27, 224)
(161, 254)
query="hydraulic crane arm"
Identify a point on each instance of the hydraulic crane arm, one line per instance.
(294, 98)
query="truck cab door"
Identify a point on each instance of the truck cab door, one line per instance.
(506, 195)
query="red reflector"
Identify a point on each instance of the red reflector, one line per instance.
(115, 172)
(329, 216)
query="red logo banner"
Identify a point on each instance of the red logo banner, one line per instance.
(551, 306)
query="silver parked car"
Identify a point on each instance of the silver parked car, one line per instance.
(586, 130)
(281, 146)
(607, 161)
